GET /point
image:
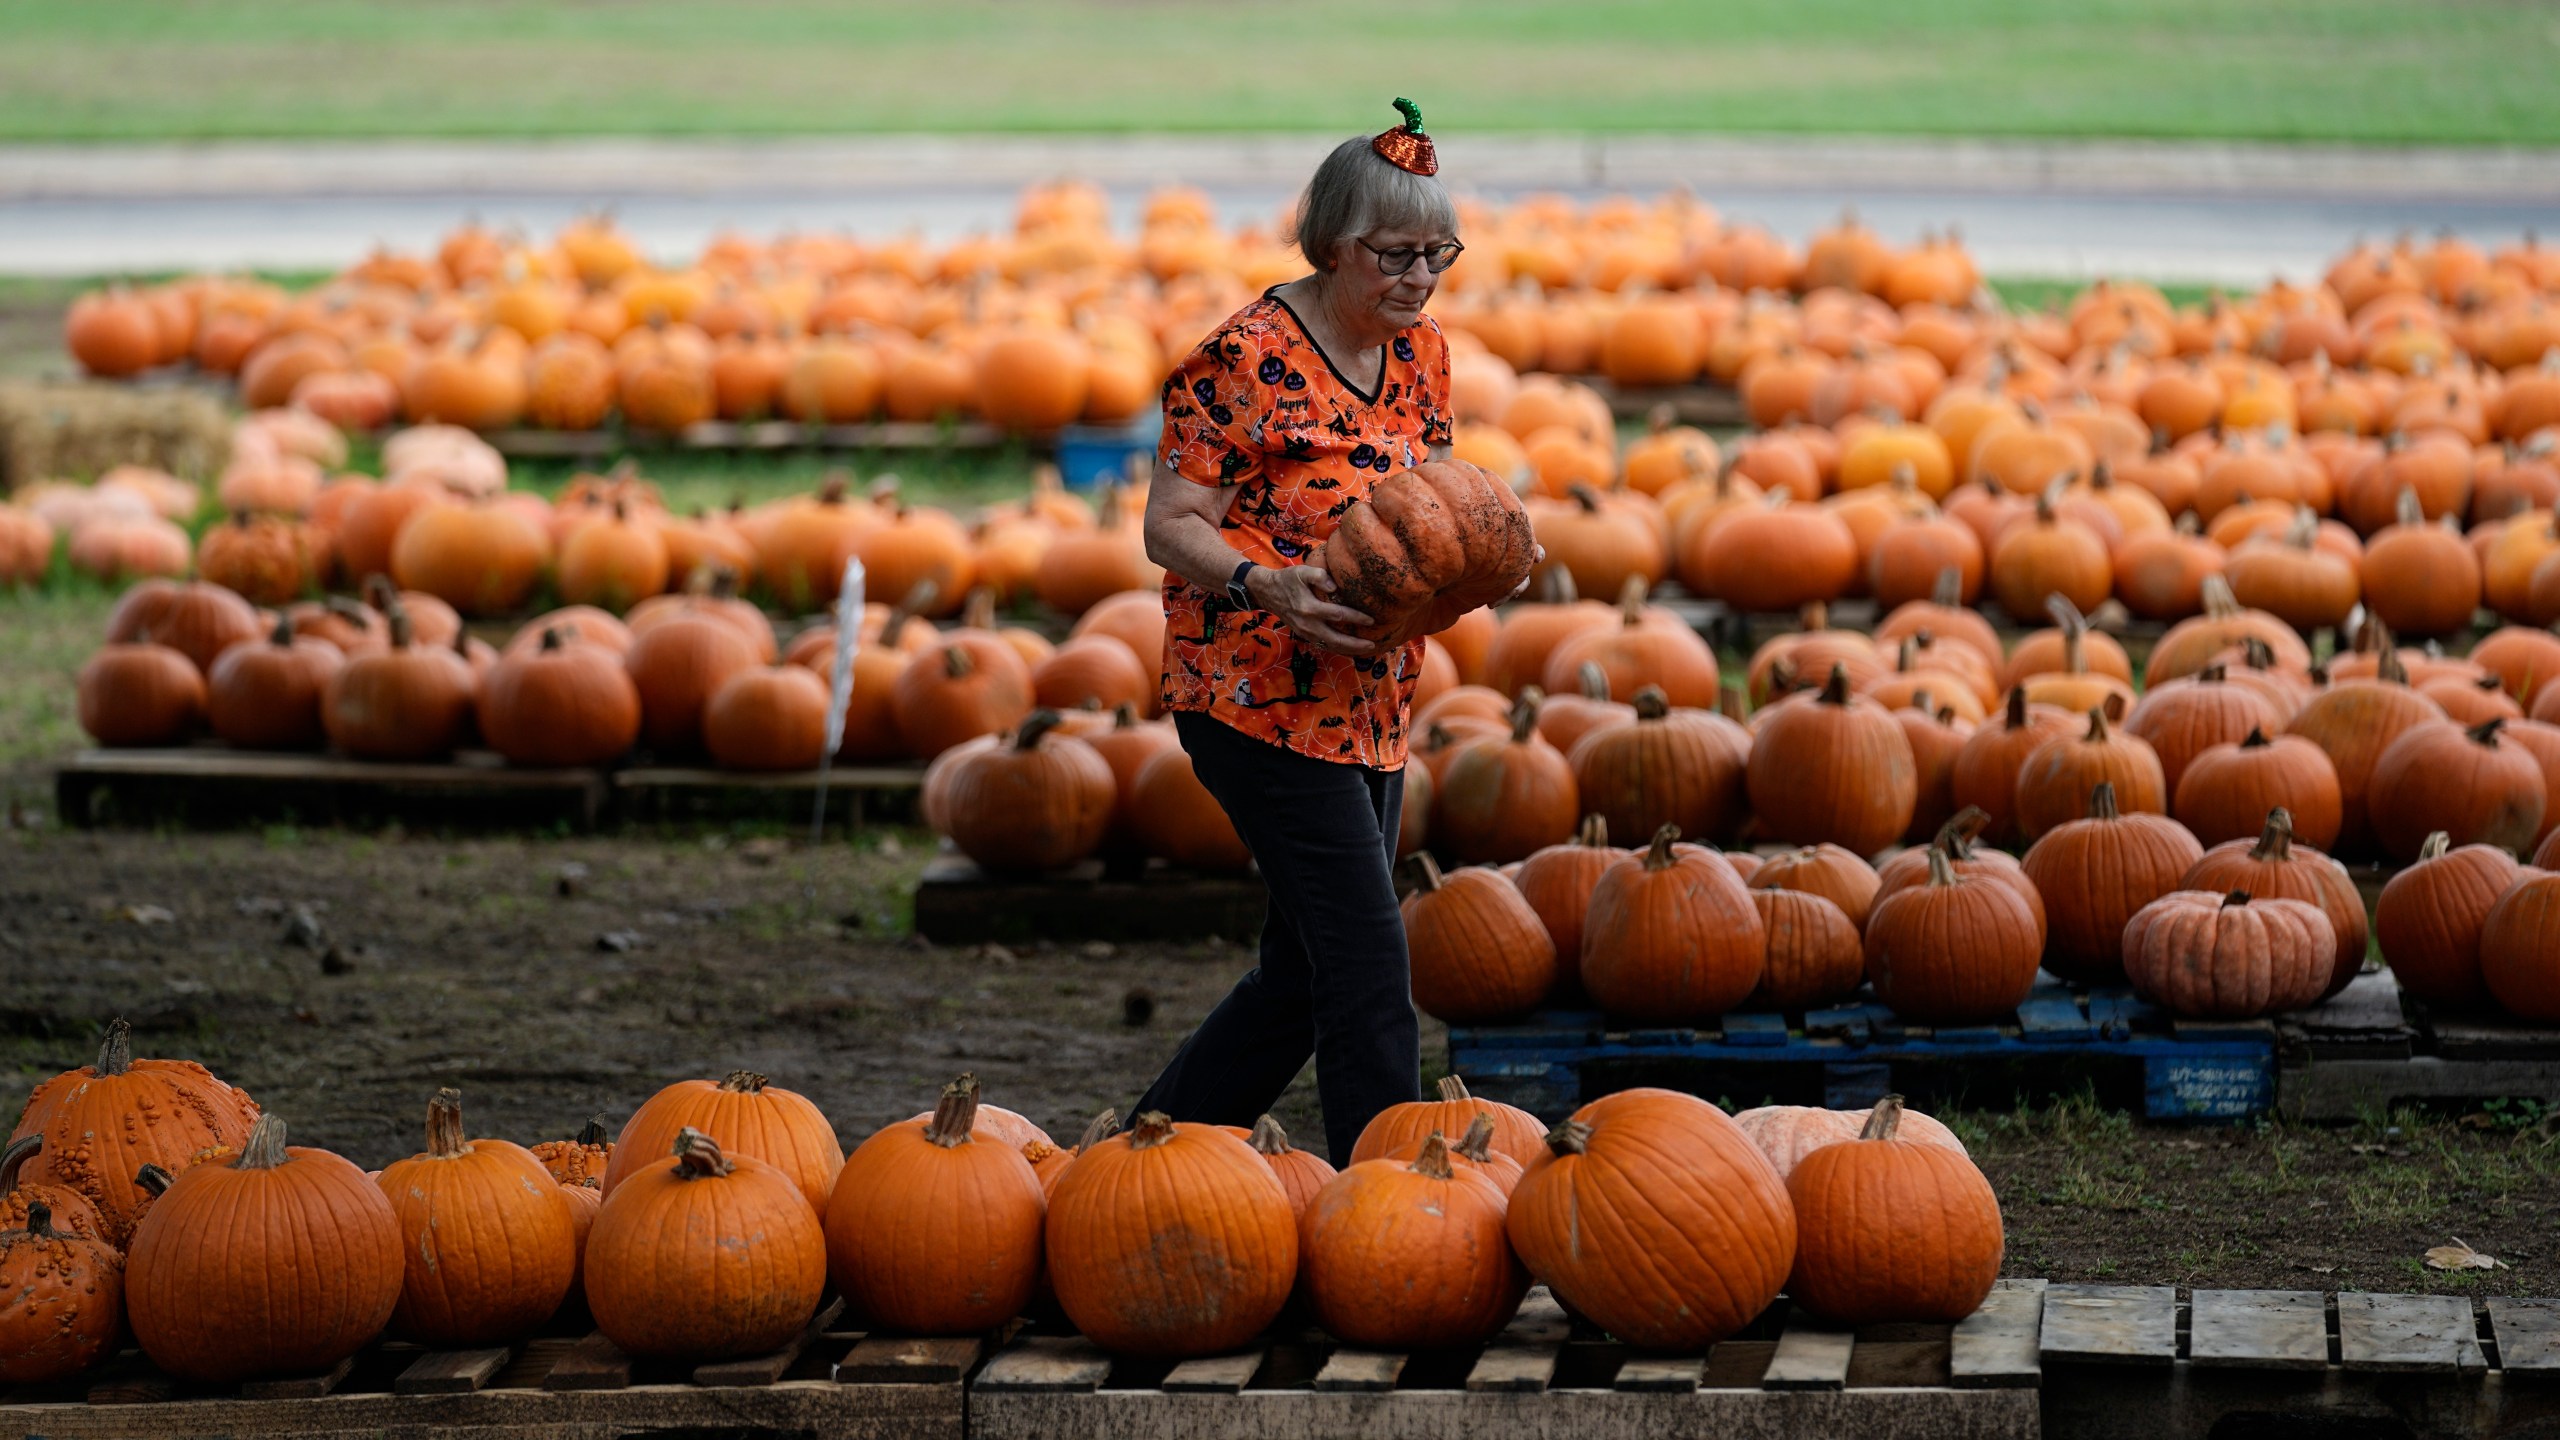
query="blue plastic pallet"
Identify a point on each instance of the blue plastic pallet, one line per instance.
(2187, 1071)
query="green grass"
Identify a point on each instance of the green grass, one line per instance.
(2467, 71)
(45, 634)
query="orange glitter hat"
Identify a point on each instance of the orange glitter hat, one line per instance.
(1405, 146)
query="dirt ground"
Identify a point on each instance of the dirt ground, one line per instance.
(342, 976)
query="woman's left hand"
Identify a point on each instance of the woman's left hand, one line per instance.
(1536, 560)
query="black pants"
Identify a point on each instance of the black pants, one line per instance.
(1333, 981)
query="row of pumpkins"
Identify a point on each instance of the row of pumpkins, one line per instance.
(708, 1228)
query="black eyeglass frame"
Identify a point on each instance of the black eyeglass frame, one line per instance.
(1436, 258)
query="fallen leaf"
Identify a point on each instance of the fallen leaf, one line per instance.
(150, 915)
(2321, 1269)
(618, 941)
(2460, 1256)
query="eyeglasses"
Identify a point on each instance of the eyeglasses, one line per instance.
(1400, 259)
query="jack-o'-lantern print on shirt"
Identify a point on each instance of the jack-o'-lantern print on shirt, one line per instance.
(1257, 406)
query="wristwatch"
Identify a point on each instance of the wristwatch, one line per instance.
(1236, 592)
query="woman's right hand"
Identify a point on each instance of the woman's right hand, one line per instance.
(1297, 594)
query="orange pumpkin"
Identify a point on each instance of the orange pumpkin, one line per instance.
(701, 1255)
(932, 1230)
(1671, 936)
(1410, 1255)
(1040, 802)
(1959, 949)
(488, 1244)
(2429, 917)
(2093, 874)
(1789, 1133)
(1834, 768)
(1892, 1230)
(1479, 953)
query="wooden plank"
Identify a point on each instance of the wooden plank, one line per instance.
(1661, 1374)
(1999, 1346)
(1523, 1357)
(451, 1372)
(1364, 1371)
(2110, 1325)
(474, 771)
(2052, 1020)
(594, 1363)
(131, 1381)
(1214, 1374)
(907, 1360)
(1898, 1364)
(2369, 1005)
(2327, 1089)
(1047, 1364)
(1811, 1356)
(2528, 1334)
(766, 1369)
(2259, 1329)
(299, 1387)
(654, 777)
(2408, 1334)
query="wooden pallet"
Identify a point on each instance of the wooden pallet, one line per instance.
(769, 436)
(1703, 403)
(2372, 1048)
(828, 1381)
(958, 903)
(856, 794)
(2059, 1040)
(1542, 1376)
(216, 785)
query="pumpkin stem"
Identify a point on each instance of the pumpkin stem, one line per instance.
(1433, 1162)
(264, 1149)
(1431, 877)
(2437, 844)
(2257, 740)
(444, 1124)
(2236, 897)
(550, 638)
(1631, 601)
(956, 662)
(1594, 832)
(40, 1215)
(1581, 495)
(2486, 732)
(282, 635)
(1477, 1143)
(1814, 618)
(2275, 842)
(2388, 668)
(978, 611)
(15, 1158)
(1651, 703)
(1453, 1090)
(1731, 702)
(1524, 714)
(955, 1114)
(1657, 856)
(592, 1133)
(1153, 1129)
(1948, 593)
(2219, 602)
(1835, 691)
(742, 1082)
(152, 1180)
(2102, 801)
(1570, 1137)
(1035, 725)
(2406, 508)
(1883, 1120)
(1594, 680)
(1102, 1127)
(1941, 871)
(115, 1056)
(698, 1156)
(2016, 717)
(1956, 837)
(1124, 716)
(1268, 1138)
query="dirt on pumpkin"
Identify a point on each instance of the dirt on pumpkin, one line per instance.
(343, 976)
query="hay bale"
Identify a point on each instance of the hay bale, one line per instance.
(74, 431)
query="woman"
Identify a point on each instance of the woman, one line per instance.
(1274, 426)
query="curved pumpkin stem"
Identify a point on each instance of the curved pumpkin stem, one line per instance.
(2435, 847)
(2102, 801)
(15, 1158)
(2015, 718)
(592, 1133)
(1453, 1090)
(1433, 1162)
(264, 1149)
(1153, 1129)
(1100, 1128)
(1631, 601)
(1594, 681)
(1268, 1138)
(1594, 832)
(1524, 714)
(40, 1216)
(1651, 703)
(955, 1115)
(2275, 842)
(115, 1053)
(1570, 1137)
(2236, 897)
(444, 1125)
(1941, 871)
(1477, 1143)
(698, 1156)
(1883, 1120)
(152, 1180)
(743, 1082)
(2097, 726)
(2486, 732)
(1035, 725)
(956, 662)
(1430, 868)
(1583, 495)
(1658, 856)
(1957, 836)
(1948, 592)
(1835, 691)
(2219, 602)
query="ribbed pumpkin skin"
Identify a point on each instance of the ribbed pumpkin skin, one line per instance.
(1836, 769)
(1788, 1133)
(405, 703)
(66, 1302)
(567, 704)
(1662, 1222)
(267, 697)
(695, 1267)
(2429, 918)
(2273, 867)
(1671, 767)
(96, 1134)
(140, 695)
(2355, 721)
(1557, 882)
(749, 1119)
(2229, 789)
(1825, 870)
(1672, 936)
(1516, 1132)
(1042, 801)
(677, 665)
(767, 719)
(1986, 771)
(2205, 957)
(2055, 781)
(2093, 875)
(1410, 1255)
(1956, 840)
(1479, 953)
(2184, 718)
(1893, 1230)
(1301, 1173)
(487, 1240)
(1428, 545)
(1171, 1241)
(1176, 817)
(932, 1235)
(1954, 950)
(1505, 798)
(242, 1270)
(2520, 949)
(973, 684)
(1814, 954)
(2476, 788)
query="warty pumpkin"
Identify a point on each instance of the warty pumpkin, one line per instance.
(103, 1122)
(2093, 874)
(1401, 1127)
(487, 1242)
(246, 1230)
(581, 1157)
(1834, 769)
(701, 1255)
(1400, 1255)
(749, 1119)
(1039, 802)
(1657, 1217)
(2057, 776)
(1890, 1229)
(1788, 1133)
(1956, 950)
(1502, 799)
(1171, 1241)
(1671, 767)
(66, 1290)
(2228, 790)
(72, 1211)
(933, 1230)
(2204, 956)
(1671, 936)
(2273, 867)
(2469, 783)
(1479, 953)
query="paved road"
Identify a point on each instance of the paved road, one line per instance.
(2226, 214)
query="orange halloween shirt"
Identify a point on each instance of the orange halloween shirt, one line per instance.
(1258, 407)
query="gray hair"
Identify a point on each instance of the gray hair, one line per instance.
(1357, 191)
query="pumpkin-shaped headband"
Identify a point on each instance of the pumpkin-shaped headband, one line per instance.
(1405, 146)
